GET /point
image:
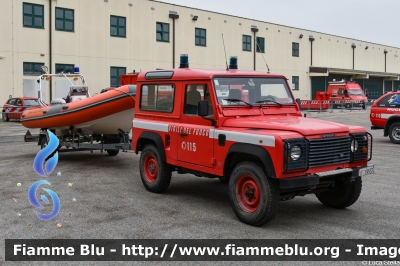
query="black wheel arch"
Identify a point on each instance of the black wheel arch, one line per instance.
(389, 122)
(151, 137)
(248, 152)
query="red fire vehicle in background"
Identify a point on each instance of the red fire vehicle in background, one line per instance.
(385, 114)
(14, 107)
(346, 94)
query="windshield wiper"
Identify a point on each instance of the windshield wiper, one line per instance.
(237, 100)
(269, 101)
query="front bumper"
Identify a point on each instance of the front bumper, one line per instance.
(318, 178)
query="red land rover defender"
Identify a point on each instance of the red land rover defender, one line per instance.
(244, 127)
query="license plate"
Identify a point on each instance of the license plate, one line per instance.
(366, 171)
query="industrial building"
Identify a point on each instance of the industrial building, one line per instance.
(106, 38)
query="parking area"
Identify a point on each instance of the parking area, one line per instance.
(103, 197)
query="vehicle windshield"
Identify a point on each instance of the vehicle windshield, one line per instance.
(356, 92)
(252, 90)
(31, 102)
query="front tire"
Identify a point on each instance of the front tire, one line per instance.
(394, 132)
(5, 117)
(254, 197)
(343, 195)
(155, 174)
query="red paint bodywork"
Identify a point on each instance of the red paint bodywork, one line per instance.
(335, 93)
(385, 111)
(281, 123)
(14, 111)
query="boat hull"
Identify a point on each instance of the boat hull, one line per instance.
(105, 113)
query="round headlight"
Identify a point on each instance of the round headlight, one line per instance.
(354, 145)
(295, 153)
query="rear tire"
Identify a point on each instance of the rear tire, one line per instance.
(5, 117)
(254, 197)
(112, 152)
(394, 132)
(342, 195)
(155, 174)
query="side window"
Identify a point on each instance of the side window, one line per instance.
(18, 102)
(389, 101)
(157, 97)
(12, 101)
(340, 92)
(193, 94)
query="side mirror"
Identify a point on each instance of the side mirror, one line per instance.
(202, 108)
(298, 103)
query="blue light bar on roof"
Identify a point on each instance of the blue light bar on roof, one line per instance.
(233, 62)
(184, 61)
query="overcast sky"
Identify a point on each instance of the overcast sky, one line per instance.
(376, 21)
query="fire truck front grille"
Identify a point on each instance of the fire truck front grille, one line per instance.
(329, 151)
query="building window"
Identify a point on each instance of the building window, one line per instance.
(246, 41)
(295, 83)
(295, 49)
(64, 19)
(118, 26)
(162, 32)
(65, 68)
(115, 73)
(33, 15)
(200, 37)
(260, 45)
(32, 68)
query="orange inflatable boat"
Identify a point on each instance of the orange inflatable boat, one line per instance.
(104, 113)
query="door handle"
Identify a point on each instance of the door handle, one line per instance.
(183, 134)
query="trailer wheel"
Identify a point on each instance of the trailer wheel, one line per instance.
(112, 152)
(254, 197)
(394, 132)
(5, 117)
(343, 195)
(155, 174)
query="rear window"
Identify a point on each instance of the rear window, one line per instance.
(389, 101)
(157, 97)
(31, 102)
